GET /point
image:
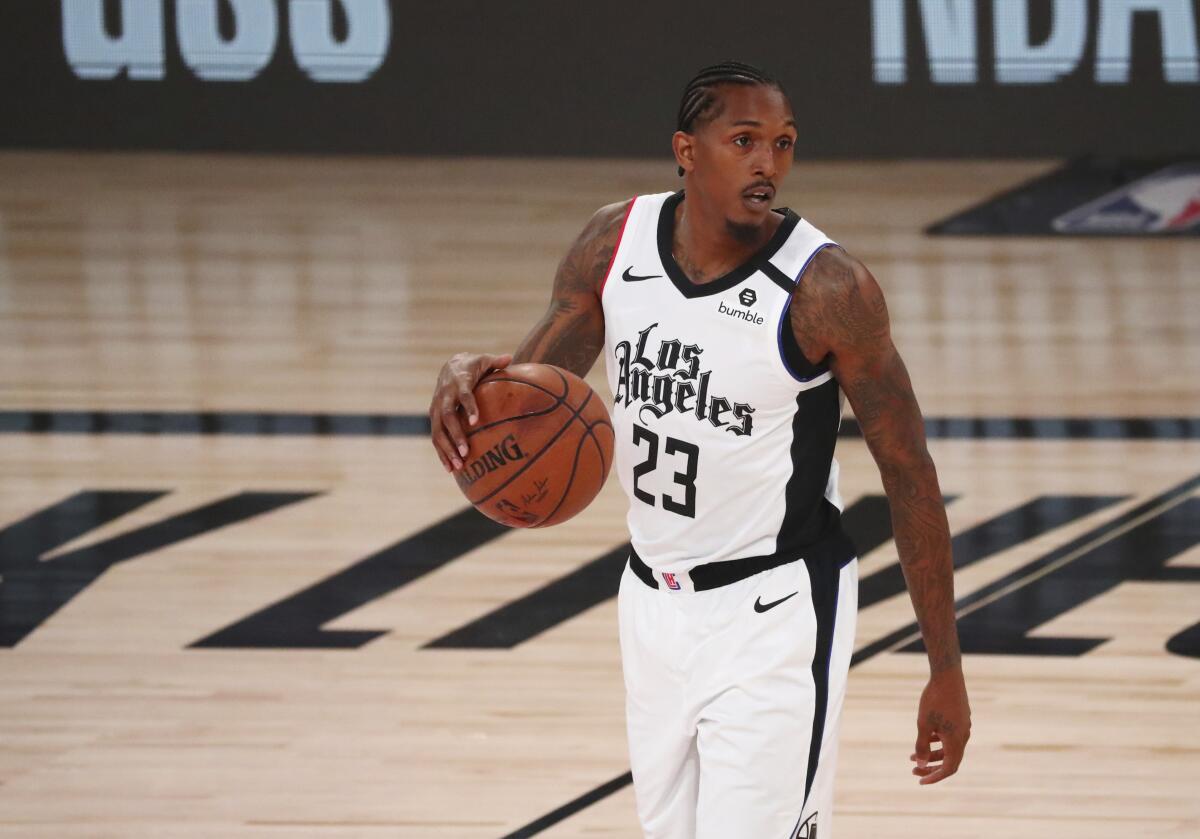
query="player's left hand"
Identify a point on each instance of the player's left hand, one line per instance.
(943, 718)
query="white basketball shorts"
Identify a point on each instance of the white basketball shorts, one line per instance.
(734, 698)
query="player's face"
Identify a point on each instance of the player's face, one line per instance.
(742, 156)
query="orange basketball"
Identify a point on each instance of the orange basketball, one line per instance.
(541, 449)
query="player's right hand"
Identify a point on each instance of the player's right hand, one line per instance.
(455, 388)
(943, 718)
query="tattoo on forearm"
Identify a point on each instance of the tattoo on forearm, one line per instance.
(839, 312)
(894, 431)
(563, 338)
(571, 333)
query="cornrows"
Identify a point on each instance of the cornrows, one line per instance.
(699, 96)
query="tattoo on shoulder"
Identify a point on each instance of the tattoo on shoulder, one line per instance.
(584, 265)
(837, 305)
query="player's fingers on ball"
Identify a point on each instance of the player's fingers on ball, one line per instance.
(458, 438)
(441, 443)
(496, 362)
(483, 365)
(437, 428)
(436, 435)
(466, 398)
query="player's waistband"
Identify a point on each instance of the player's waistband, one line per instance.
(836, 548)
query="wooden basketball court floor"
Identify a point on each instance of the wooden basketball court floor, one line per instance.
(239, 598)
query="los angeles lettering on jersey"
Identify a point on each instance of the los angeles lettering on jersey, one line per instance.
(672, 381)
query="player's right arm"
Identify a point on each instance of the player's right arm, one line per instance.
(838, 313)
(569, 335)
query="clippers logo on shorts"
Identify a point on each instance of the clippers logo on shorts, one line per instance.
(1167, 201)
(671, 380)
(669, 579)
(808, 830)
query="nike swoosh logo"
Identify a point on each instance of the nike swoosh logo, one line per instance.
(761, 607)
(633, 278)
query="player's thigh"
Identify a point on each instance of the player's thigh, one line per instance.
(753, 762)
(662, 750)
(817, 818)
(779, 679)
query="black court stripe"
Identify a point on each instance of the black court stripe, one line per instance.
(906, 633)
(572, 807)
(289, 424)
(892, 640)
(220, 423)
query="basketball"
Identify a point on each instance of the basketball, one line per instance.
(541, 449)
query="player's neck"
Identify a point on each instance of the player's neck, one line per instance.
(706, 247)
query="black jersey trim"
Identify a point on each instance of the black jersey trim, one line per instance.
(689, 289)
(824, 583)
(794, 360)
(777, 276)
(809, 517)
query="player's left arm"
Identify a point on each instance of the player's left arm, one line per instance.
(838, 313)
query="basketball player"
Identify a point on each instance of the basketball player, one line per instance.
(730, 331)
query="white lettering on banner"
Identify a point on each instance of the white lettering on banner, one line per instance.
(949, 29)
(1019, 61)
(887, 39)
(950, 40)
(213, 58)
(1176, 22)
(93, 54)
(139, 50)
(353, 60)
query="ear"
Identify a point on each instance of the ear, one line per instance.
(684, 146)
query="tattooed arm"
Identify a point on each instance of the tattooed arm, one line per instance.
(569, 335)
(838, 312)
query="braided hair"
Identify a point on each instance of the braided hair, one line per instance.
(700, 98)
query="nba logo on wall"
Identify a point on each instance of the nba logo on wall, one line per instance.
(235, 49)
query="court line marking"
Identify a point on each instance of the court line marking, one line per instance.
(284, 423)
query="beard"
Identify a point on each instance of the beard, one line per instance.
(744, 233)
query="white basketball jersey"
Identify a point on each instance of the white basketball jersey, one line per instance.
(724, 431)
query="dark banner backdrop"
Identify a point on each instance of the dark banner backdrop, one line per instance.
(868, 78)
